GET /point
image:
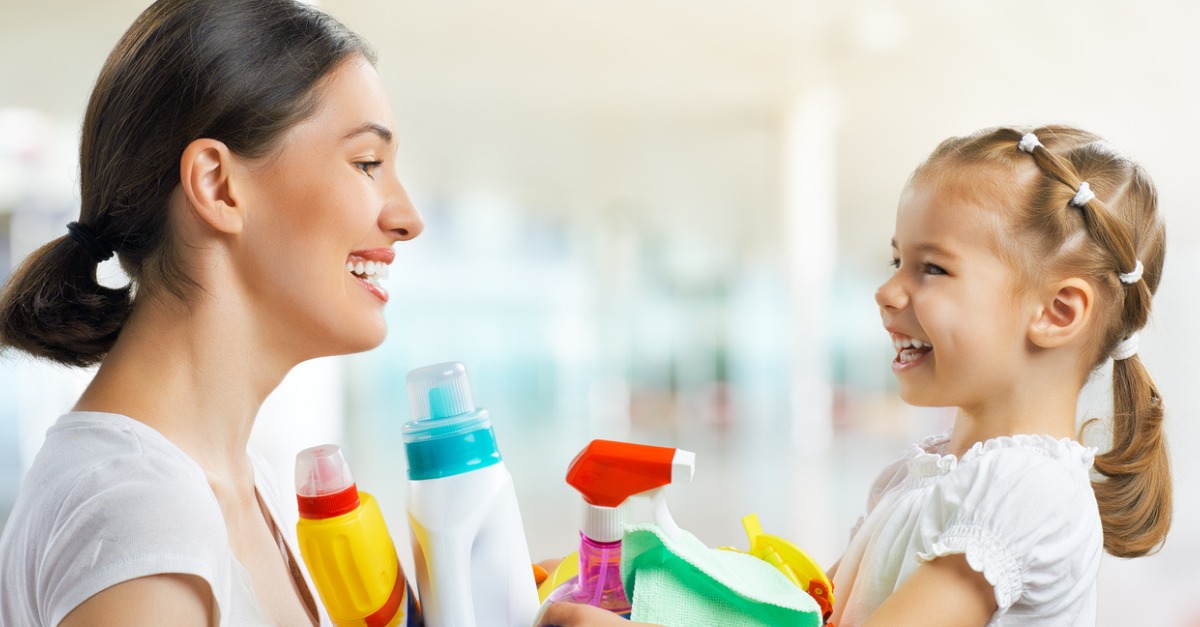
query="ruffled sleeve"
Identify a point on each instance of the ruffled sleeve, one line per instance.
(1022, 512)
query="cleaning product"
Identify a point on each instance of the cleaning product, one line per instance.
(795, 564)
(674, 579)
(346, 546)
(472, 559)
(607, 474)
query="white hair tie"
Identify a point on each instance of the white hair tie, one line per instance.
(1129, 278)
(1127, 348)
(1028, 142)
(1083, 196)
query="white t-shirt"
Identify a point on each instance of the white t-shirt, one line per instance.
(1021, 509)
(109, 499)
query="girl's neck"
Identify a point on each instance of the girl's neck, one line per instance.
(195, 374)
(1039, 406)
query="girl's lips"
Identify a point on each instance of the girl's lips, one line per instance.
(899, 365)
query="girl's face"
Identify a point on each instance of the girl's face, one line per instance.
(323, 212)
(953, 308)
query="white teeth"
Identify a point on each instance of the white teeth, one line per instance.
(368, 269)
(901, 343)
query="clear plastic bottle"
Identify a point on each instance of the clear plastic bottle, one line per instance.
(472, 558)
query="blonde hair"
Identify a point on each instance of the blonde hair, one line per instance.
(1097, 240)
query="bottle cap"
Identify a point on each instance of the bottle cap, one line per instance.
(324, 485)
(448, 435)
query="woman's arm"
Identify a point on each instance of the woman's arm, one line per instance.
(945, 592)
(177, 600)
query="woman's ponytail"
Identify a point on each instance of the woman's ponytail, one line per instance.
(52, 306)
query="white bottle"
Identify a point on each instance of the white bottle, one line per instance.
(472, 559)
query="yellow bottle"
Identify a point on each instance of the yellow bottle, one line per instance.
(346, 546)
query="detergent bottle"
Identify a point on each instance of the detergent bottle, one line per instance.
(607, 474)
(346, 546)
(472, 559)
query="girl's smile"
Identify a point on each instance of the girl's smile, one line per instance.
(910, 351)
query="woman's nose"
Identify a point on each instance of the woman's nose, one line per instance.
(400, 216)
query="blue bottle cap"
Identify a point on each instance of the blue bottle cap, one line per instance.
(449, 435)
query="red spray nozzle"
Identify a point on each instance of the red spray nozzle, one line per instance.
(607, 473)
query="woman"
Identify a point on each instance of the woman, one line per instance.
(237, 158)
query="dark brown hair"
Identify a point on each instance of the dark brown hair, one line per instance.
(238, 71)
(1098, 241)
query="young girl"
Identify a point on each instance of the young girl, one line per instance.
(237, 158)
(1025, 261)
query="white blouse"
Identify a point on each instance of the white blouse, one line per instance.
(1020, 508)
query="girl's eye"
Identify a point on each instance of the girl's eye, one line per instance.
(367, 166)
(934, 269)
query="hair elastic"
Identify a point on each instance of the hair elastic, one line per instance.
(1126, 348)
(98, 250)
(1083, 196)
(1133, 276)
(1028, 142)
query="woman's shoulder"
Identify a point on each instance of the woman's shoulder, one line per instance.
(108, 499)
(93, 455)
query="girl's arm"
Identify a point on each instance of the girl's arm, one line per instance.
(183, 600)
(945, 592)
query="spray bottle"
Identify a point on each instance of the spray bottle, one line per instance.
(346, 546)
(472, 559)
(607, 474)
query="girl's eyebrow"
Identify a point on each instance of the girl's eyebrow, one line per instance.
(930, 247)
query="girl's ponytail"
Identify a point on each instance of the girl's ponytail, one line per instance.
(1134, 494)
(52, 306)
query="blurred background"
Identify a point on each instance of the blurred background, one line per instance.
(664, 221)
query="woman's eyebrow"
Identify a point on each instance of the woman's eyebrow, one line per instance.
(370, 127)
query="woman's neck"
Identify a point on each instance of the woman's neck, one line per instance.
(194, 373)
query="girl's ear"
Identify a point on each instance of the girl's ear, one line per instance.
(1063, 313)
(206, 172)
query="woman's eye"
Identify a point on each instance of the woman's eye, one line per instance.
(367, 166)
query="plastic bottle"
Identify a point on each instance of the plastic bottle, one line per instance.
(472, 559)
(346, 546)
(608, 474)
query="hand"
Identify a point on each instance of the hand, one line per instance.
(576, 615)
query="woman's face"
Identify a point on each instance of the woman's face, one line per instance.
(322, 214)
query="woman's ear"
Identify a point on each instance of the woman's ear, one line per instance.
(206, 172)
(1063, 313)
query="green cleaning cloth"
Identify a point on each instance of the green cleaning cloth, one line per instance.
(682, 583)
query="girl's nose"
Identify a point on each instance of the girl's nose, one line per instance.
(891, 295)
(400, 217)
